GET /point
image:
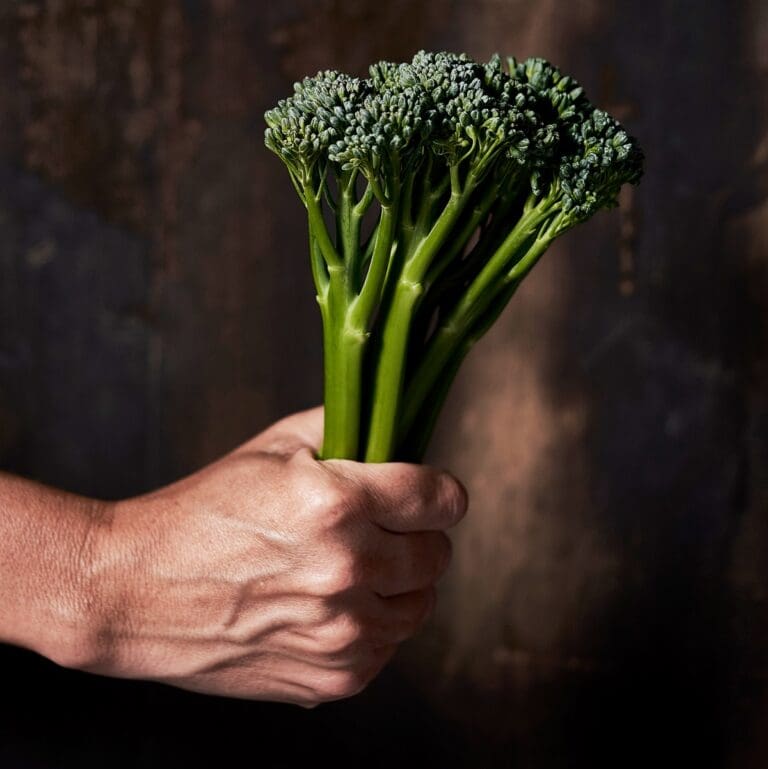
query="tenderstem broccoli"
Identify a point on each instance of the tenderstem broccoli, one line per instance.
(431, 189)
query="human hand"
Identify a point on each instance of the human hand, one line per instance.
(269, 574)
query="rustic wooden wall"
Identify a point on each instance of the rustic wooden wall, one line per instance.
(607, 606)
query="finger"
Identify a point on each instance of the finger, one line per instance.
(401, 616)
(407, 497)
(364, 622)
(407, 562)
(334, 684)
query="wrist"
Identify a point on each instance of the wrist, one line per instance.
(60, 572)
(73, 629)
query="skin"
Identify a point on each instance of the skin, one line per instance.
(267, 575)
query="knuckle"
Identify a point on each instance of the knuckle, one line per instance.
(238, 634)
(343, 635)
(340, 573)
(332, 502)
(327, 502)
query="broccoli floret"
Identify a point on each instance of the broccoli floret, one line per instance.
(563, 92)
(472, 170)
(302, 127)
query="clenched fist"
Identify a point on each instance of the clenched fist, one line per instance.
(268, 574)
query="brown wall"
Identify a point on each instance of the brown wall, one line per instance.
(607, 604)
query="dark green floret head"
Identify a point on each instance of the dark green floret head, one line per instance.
(563, 92)
(385, 127)
(441, 74)
(604, 158)
(301, 128)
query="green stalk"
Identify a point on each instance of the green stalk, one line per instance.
(319, 267)
(390, 371)
(421, 256)
(490, 283)
(343, 348)
(481, 290)
(478, 215)
(424, 194)
(347, 319)
(362, 307)
(343, 389)
(348, 229)
(414, 445)
(440, 281)
(318, 229)
(406, 207)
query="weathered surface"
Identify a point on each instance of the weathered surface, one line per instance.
(607, 604)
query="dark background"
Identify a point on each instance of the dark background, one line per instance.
(607, 603)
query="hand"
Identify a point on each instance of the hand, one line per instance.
(269, 574)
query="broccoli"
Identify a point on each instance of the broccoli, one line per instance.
(431, 189)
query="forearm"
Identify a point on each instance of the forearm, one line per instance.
(46, 569)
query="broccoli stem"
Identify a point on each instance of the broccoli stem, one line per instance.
(478, 214)
(390, 372)
(362, 307)
(343, 364)
(348, 221)
(343, 346)
(389, 375)
(347, 315)
(515, 257)
(414, 446)
(317, 226)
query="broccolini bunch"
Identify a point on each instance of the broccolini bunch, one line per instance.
(431, 189)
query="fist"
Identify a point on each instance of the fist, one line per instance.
(269, 574)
